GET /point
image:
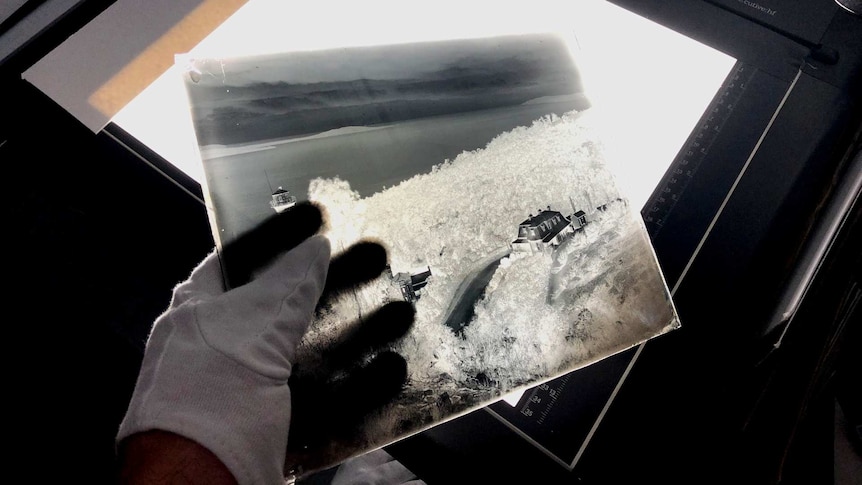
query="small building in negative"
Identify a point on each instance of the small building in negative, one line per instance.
(579, 219)
(411, 283)
(542, 232)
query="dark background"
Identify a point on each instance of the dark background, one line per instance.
(99, 236)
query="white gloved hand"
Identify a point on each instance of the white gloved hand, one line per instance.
(217, 362)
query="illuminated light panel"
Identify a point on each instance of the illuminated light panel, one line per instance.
(650, 83)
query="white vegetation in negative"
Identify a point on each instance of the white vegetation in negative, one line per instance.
(603, 295)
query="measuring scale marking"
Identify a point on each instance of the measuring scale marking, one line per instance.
(545, 396)
(688, 161)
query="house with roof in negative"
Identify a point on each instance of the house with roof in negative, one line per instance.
(543, 231)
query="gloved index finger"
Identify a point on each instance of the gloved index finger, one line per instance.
(261, 245)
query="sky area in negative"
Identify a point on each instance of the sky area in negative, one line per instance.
(296, 94)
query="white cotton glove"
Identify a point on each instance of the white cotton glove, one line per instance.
(217, 362)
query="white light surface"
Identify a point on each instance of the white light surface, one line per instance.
(650, 83)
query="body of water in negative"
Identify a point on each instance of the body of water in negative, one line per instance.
(240, 185)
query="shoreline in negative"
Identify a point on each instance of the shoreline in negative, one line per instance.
(209, 152)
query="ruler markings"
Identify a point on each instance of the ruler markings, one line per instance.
(696, 149)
